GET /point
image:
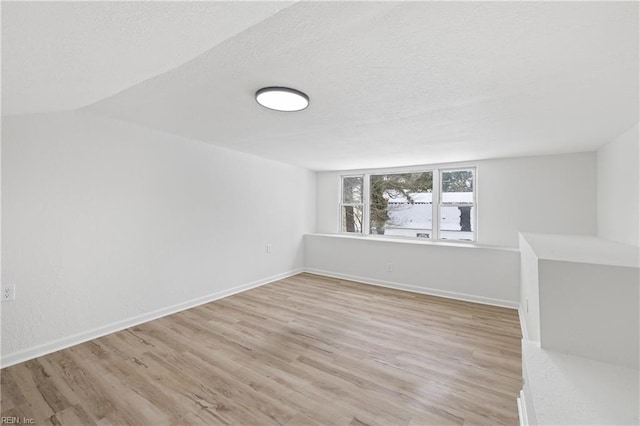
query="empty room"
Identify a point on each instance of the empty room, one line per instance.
(320, 213)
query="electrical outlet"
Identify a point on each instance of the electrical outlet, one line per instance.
(268, 248)
(389, 267)
(8, 292)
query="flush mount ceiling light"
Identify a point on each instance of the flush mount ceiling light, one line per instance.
(282, 99)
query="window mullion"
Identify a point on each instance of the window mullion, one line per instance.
(435, 201)
(365, 199)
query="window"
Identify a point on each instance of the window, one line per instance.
(352, 205)
(401, 204)
(432, 204)
(457, 211)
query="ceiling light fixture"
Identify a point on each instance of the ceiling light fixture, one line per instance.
(282, 99)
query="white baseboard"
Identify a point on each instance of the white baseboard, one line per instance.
(522, 410)
(75, 339)
(415, 289)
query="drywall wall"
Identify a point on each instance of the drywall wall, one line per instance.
(590, 310)
(480, 274)
(619, 188)
(583, 295)
(107, 223)
(529, 291)
(550, 194)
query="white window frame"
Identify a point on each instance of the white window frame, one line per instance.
(342, 204)
(473, 205)
(436, 204)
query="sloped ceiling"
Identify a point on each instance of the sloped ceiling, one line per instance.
(390, 83)
(65, 55)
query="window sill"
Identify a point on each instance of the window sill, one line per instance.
(408, 240)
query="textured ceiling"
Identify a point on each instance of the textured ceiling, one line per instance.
(390, 83)
(60, 56)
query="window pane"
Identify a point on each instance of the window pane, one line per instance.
(457, 186)
(401, 204)
(352, 190)
(456, 223)
(352, 219)
(409, 220)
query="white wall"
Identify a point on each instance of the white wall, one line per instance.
(583, 296)
(479, 274)
(550, 194)
(581, 316)
(105, 223)
(619, 188)
(529, 291)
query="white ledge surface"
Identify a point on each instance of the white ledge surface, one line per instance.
(571, 390)
(421, 241)
(583, 249)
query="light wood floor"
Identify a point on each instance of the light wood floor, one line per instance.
(306, 350)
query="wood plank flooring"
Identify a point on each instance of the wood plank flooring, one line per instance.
(306, 350)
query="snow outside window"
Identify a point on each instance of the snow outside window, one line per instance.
(401, 204)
